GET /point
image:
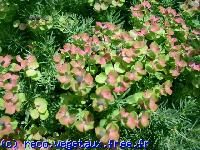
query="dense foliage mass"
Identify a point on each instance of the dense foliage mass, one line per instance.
(111, 70)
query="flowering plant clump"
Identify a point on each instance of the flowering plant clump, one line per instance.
(167, 28)
(100, 5)
(7, 126)
(9, 80)
(106, 66)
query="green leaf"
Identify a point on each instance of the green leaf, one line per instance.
(134, 99)
(159, 75)
(89, 126)
(44, 116)
(101, 78)
(33, 65)
(97, 6)
(37, 76)
(21, 97)
(65, 86)
(2, 104)
(149, 68)
(42, 130)
(104, 6)
(16, 23)
(102, 122)
(41, 105)
(108, 68)
(34, 113)
(31, 73)
(119, 68)
(115, 113)
(37, 136)
(92, 69)
(14, 124)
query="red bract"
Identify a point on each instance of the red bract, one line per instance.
(138, 44)
(120, 89)
(167, 87)
(88, 79)
(6, 60)
(85, 37)
(170, 32)
(148, 94)
(110, 26)
(18, 58)
(133, 76)
(142, 32)
(136, 7)
(104, 59)
(24, 63)
(169, 10)
(154, 19)
(77, 63)
(78, 72)
(64, 117)
(144, 120)
(66, 48)
(137, 14)
(154, 27)
(196, 32)
(123, 113)
(154, 47)
(86, 123)
(162, 10)
(10, 108)
(181, 63)
(105, 93)
(31, 59)
(162, 62)
(152, 105)
(175, 72)
(179, 20)
(131, 120)
(7, 76)
(57, 58)
(139, 68)
(63, 68)
(9, 95)
(64, 79)
(17, 68)
(175, 55)
(128, 55)
(8, 86)
(112, 78)
(146, 4)
(6, 128)
(95, 40)
(194, 66)
(112, 130)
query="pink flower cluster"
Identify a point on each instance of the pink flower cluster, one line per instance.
(194, 66)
